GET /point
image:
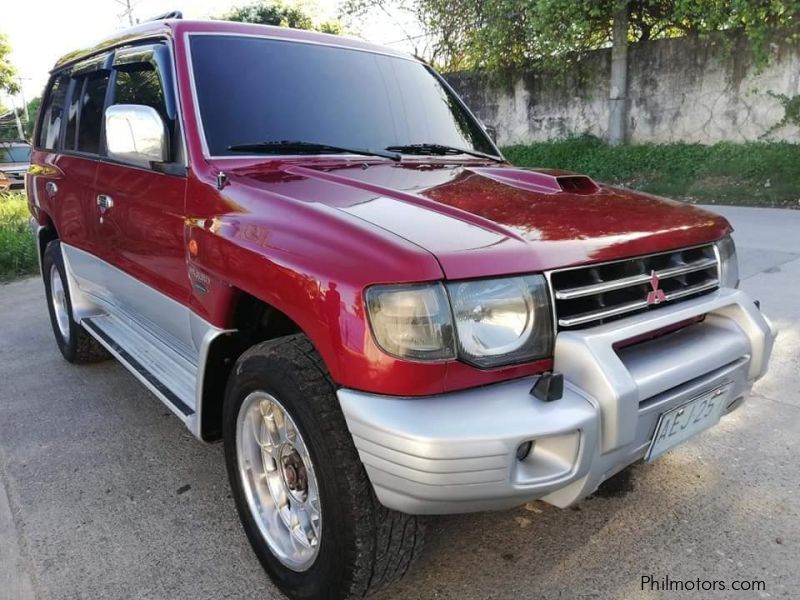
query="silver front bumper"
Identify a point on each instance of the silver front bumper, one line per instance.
(456, 452)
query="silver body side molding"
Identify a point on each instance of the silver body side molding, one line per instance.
(37, 231)
(166, 348)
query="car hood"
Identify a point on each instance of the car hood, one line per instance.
(482, 220)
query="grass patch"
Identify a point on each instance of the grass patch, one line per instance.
(17, 248)
(748, 174)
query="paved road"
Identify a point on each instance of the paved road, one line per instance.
(94, 474)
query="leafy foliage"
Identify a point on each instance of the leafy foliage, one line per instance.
(17, 248)
(33, 110)
(754, 173)
(8, 74)
(791, 111)
(474, 34)
(281, 14)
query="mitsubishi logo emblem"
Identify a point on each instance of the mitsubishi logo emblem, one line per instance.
(657, 296)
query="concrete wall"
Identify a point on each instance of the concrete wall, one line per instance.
(682, 89)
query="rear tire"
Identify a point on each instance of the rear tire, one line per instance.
(75, 343)
(361, 545)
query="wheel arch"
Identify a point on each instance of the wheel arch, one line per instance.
(46, 232)
(251, 321)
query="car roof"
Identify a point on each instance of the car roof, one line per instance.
(177, 27)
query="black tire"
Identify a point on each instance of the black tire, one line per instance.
(77, 346)
(364, 546)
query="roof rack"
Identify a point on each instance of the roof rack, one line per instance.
(173, 14)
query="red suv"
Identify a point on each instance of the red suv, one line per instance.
(308, 247)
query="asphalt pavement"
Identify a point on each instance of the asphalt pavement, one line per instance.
(104, 494)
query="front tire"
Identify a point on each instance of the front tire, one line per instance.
(74, 342)
(303, 496)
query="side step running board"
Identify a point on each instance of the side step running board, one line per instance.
(165, 372)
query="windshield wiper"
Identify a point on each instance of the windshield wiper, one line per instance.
(440, 150)
(302, 147)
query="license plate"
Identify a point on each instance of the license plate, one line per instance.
(679, 424)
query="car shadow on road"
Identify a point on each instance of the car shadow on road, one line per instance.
(493, 555)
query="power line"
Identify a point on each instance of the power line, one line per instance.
(406, 39)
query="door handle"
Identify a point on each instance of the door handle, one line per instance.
(51, 188)
(105, 202)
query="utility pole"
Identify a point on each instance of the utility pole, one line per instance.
(128, 12)
(20, 131)
(618, 94)
(24, 102)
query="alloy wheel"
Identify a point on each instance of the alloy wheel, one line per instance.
(279, 481)
(58, 298)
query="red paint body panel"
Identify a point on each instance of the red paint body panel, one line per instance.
(478, 222)
(308, 235)
(143, 234)
(75, 178)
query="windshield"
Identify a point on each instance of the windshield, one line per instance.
(15, 154)
(253, 90)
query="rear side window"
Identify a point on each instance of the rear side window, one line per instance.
(52, 114)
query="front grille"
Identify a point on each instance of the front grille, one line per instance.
(595, 294)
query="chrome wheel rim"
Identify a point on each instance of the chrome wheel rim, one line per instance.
(59, 300)
(279, 482)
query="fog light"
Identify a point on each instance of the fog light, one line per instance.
(524, 450)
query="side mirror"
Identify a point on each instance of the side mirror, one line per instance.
(491, 131)
(136, 134)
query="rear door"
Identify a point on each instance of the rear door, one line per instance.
(65, 162)
(140, 211)
(45, 177)
(80, 154)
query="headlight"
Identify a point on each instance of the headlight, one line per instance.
(502, 321)
(412, 321)
(728, 264)
(497, 321)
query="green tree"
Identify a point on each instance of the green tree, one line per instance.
(8, 74)
(546, 34)
(475, 34)
(282, 14)
(33, 111)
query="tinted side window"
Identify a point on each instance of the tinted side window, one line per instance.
(53, 112)
(140, 84)
(92, 101)
(72, 114)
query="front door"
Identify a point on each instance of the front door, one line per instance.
(140, 211)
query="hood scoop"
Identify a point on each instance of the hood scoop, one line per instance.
(550, 181)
